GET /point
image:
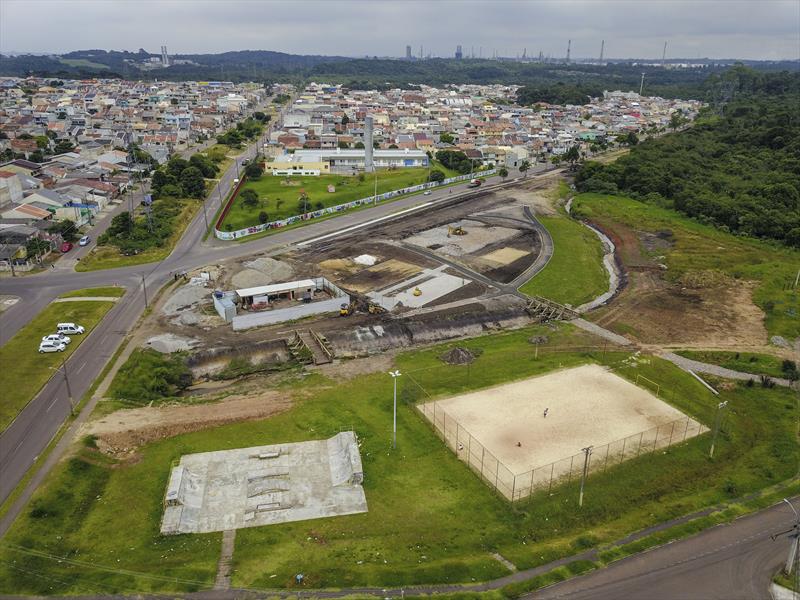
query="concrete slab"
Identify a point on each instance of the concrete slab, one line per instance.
(265, 485)
(432, 283)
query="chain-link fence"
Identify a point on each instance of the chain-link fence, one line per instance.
(517, 486)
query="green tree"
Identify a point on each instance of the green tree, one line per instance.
(573, 156)
(249, 198)
(503, 173)
(359, 145)
(192, 183)
(207, 168)
(42, 142)
(523, 167)
(63, 146)
(436, 176)
(67, 229)
(254, 170)
(345, 119)
(263, 217)
(446, 138)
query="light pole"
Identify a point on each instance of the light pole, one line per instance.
(395, 374)
(794, 544)
(587, 453)
(717, 420)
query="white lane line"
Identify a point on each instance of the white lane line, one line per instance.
(78, 370)
(365, 224)
(51, 404)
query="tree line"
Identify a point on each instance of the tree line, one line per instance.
(737, 168)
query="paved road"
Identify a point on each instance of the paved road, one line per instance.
(732, 562)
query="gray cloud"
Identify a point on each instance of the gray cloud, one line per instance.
(761, 29)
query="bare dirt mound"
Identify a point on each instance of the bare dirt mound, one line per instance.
(458, 356)
(123, 432)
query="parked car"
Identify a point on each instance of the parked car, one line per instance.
(84, 241)
(66, 247)
(59, 338)
(52, 347)
(426, 193)
(70, 328)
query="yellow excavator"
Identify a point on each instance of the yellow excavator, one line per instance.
(455, 230)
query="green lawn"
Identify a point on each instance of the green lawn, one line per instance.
(700, 247)
(430, 519)
(110, 291)
(280, 201)
(25, 371)
(109, 257)
(575, 273)
(747, 362)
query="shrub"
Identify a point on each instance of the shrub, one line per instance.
(263, 217)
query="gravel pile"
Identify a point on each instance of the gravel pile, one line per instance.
(458, 356)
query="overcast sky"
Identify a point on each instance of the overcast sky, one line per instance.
(755, 29)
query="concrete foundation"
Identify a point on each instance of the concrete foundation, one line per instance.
(264, 485)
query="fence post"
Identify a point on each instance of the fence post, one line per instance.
(569, 477)
(669, 443)
(483, 455)
(655, 441)
(622, 456)
(469, 449)
(639, 449)
(550, 487)
(605, 463)
(496, 473)
(513, 488)
(686, 431)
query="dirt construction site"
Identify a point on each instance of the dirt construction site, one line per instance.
(442, 273)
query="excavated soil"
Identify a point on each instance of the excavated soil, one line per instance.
(123, 432)
(458, 356)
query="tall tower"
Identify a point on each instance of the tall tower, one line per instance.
(602, 48)
(664, 55)
(369, 167)
(569, 48)
(164, 56)
(459, 54)
(408, 53)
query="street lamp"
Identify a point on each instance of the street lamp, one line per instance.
(794, 543)
(395, 375)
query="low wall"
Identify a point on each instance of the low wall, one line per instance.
(233, 235)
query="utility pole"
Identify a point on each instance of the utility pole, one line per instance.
(587, 453)
(376, 187)
(144, 287)
(602, 48)
(641, 85)
(717, 420)
(664, 55)
(205, 216)
(395, 375)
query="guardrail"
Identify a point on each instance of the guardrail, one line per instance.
(240, 233)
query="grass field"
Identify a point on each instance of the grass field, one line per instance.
(430, 519)
(109, 257)
(25, 371)
(575, 273)
(115, 291)
(747, 362)
(700, 247)
(280, 201)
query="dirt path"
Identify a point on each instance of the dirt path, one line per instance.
(88, 299)
(122, 432)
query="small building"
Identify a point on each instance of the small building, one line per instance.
(266, 294)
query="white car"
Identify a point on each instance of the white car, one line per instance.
(426, 193)
(84, 241)
(52, 347)
(59, 338)
(70, 328)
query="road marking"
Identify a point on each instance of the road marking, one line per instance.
(51, 404)
(78, 370)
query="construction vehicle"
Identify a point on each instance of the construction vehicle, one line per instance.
(417, 292)
(475, 183)
(455, 230)
(344, 310)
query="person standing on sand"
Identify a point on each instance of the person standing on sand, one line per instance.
(546, 410)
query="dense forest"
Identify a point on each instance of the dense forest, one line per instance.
(738, 167)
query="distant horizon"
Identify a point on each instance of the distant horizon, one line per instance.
(530, 57)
